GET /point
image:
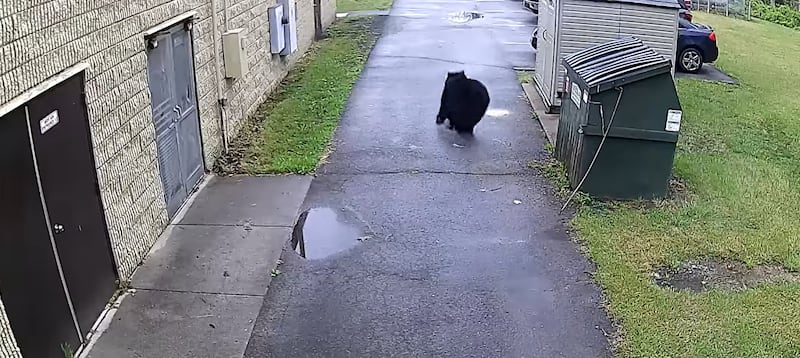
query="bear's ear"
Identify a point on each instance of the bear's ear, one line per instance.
(455, 73)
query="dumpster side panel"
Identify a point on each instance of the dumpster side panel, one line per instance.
(643, 105)
(628, 169)
(573, 116)
(566, 118)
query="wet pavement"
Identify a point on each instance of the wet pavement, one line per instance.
(322, 232)
(422, 243)
(201, 287)
(708, 73)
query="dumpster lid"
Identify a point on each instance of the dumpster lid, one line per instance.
(615, 60)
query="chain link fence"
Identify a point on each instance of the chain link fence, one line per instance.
(783, 12)
(733, 8)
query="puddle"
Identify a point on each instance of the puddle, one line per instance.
(497, 113)
(464, 16)
(322, 232)
(727, 275)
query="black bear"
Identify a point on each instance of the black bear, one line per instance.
(464, 102)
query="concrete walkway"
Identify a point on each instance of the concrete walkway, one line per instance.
(202, 285)
(420, 243)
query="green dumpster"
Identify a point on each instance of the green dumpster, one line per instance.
(619, 121)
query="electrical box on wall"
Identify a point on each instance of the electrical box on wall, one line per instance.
(289, 27)
(234, 53)
(277, 39)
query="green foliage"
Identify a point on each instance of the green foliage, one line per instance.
(781, 14)
(739, 157)
(291, 131)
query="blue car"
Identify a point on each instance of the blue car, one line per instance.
(697, 44)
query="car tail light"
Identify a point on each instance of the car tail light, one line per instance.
(688, 16)
(712, 37)
(688, 4)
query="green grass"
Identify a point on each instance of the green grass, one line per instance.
(292, 130)
(360, 5)
(67, 351)
(525, 76)
(739, 155)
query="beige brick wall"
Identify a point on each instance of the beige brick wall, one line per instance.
(40, 38)
(328, 12)
(8, 345)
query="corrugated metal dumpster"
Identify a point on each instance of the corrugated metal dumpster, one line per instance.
(619, 94)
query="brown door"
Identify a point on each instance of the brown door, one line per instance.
(30, 285)
(63, 149)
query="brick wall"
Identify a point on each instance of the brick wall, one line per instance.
(328, 12)
(8, 346)
(40, 38)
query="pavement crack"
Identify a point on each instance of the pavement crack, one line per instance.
(440, 60)
(197, 292)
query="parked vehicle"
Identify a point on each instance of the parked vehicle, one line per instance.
(685, 12)
(697, 44)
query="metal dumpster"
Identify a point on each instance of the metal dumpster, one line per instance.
(620, 95)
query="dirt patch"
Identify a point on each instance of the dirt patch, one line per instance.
(727, 275)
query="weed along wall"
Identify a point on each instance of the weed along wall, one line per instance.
(143, 88)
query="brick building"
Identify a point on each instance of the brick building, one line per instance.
(111, 111)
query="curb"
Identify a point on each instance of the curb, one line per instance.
(548, 121)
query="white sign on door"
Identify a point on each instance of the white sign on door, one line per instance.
(48, 121)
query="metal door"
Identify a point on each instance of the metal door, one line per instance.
(65, 158)
(175, 116)
(30, 282)
(548, 68)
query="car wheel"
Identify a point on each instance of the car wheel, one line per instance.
(691, 60)
(533, 39)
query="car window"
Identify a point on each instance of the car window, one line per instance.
(685, 24)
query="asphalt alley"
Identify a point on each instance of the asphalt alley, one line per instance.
(421, 243)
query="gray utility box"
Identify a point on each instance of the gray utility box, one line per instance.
(635, 161)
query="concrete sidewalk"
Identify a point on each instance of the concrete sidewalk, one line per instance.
(203, 283)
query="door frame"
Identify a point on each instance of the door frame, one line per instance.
(106, 233)
(81, 77)
(23, 99)
(186, 21)
(188, 25)
(551, 28)
(21, 102)
(318, 33)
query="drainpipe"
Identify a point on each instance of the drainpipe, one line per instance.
(221, 100)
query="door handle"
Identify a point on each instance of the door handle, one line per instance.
(58, 228)
(175, 117)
